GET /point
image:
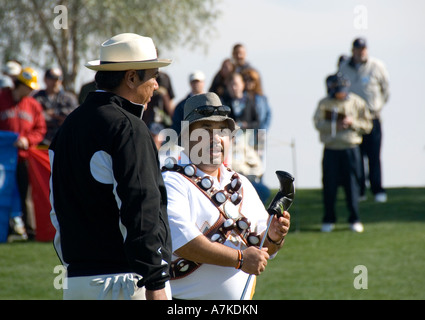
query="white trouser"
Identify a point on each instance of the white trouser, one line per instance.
(119, 286)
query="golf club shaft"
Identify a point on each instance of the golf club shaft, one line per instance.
(261, 246)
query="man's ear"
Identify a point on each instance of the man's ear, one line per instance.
(131, 78)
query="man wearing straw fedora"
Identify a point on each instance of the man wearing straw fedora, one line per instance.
(216, 218)
(107, 194)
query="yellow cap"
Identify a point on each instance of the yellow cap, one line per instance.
(28, 76)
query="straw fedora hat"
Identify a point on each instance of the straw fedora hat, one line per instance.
(127, 51)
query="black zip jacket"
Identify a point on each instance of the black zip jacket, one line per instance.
(108, 197)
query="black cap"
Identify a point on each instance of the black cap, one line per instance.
(359, 43)
(337, 83)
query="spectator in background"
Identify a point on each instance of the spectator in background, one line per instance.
(10, 70)
(342, 58)
(218, 85)
(57, 103)
(197, 86)
(239, 58)
(341, 119)
(22, 114)
(250, 107)
(254, 90)
(159, 114)
(242, 110)
(246, 157)
(369, 79)
(85, 90)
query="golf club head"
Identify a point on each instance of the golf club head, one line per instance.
(285, 196)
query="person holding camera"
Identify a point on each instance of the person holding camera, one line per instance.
(341, 119)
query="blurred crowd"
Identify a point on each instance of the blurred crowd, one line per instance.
(35, 115)
(348, 120)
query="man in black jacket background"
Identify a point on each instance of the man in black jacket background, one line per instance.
(107, 194)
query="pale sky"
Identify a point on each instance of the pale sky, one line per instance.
(295, 45)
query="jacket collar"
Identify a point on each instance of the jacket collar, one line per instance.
(106, 97)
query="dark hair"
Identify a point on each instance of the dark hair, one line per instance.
(110, 80)
(237, 46)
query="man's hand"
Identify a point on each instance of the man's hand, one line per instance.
(345, 123)
(279, 227)
(254, 260)
(22, 143)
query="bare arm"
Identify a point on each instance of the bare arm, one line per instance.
(156, 295)
(202, 250)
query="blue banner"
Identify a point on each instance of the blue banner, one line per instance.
(9, 196)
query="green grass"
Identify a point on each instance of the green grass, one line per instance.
(26, 271)
(315, 265)
(312, 265)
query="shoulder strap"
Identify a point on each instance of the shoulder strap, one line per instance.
(220, 230)
(182, 267)
(196, 181)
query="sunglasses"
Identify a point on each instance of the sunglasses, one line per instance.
(208, 111)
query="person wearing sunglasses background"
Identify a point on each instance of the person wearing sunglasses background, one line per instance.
(216, 217)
